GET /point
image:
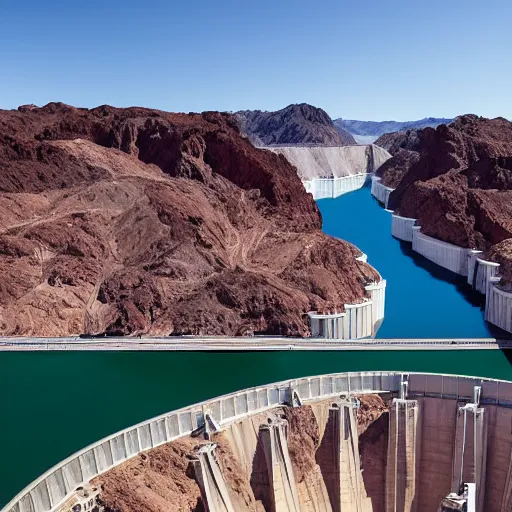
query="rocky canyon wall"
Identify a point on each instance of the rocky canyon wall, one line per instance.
(130, 221)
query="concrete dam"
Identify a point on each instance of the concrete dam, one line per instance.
(330, 171)
(359, 441)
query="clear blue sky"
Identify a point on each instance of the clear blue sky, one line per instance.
(376, 60)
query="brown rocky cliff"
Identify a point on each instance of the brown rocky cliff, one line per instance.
(460, 188)
(139, 221)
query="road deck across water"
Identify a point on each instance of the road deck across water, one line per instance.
(256, 343)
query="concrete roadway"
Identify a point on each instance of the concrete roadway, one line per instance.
(213, 343)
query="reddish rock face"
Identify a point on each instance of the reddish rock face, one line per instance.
(460, 189)
(140, 221)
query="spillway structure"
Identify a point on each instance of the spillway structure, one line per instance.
(348, 442)
(482, 275)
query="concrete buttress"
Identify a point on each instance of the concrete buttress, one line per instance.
(283, 490)
(403, 456)
(211, 482)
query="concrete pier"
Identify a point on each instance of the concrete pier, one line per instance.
(470, 455)
(403, 456)
(211, 482)
(345, 484)
(284, 497)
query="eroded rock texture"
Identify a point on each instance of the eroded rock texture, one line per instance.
(460, 187)
(134, 221)
(294, 124)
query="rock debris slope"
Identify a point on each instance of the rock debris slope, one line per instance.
(294, 124)
(140, 221)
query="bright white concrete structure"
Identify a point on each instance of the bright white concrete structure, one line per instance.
(380, 191)
(314, 161)
(357, 321)
(58, 484)
(446, 255)
(498, 307)
(401, 227)
(328, 188)
(481, 273)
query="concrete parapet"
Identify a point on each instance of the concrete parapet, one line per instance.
(481, 272)
(403, 456)
(446, 255)
(284, 497)
(401, 227)
(329, 188)
(210, 480)
(470, 454)
(498, 306)
(380, 191)
(358, 321)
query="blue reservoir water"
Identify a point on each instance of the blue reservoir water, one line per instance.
(422, 299)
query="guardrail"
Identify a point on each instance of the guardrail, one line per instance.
(56, 485)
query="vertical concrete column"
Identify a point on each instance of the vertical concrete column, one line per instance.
(470, 455)
(284, 497)
(211, 481)
(506, 505)
(403, 456)
(345, 484)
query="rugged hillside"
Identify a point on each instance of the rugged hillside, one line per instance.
(295, 124)
(394, 142)
(393, 170)
(377, 128)
(460, 189)
(133, 220)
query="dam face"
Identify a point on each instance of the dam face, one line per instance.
(309, 445)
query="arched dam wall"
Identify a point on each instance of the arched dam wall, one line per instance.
(325, 443)
(482, 275)
(333, 161)
(330, 171)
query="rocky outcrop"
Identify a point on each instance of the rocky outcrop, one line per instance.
(460, 188)
(393, 170)
(333, 161)
(134, 221)
(375, 129)
(294, 124)
(396, 141)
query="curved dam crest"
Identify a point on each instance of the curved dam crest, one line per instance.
(474, 414)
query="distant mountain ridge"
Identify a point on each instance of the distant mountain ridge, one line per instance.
(294, 124)
(367, 129)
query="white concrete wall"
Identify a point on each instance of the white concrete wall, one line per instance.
(498, 308)
(358, 321)
(328, 188)
(485, 271)
(59, 483)
(401, 227)
(333, 161)
(380, 191)
(446, 255)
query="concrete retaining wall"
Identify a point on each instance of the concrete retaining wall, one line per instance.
(380, 191)
(401, 227)
(446, 255)
(57, 484)
(328, 188)
(358, 321)
(482, 275)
